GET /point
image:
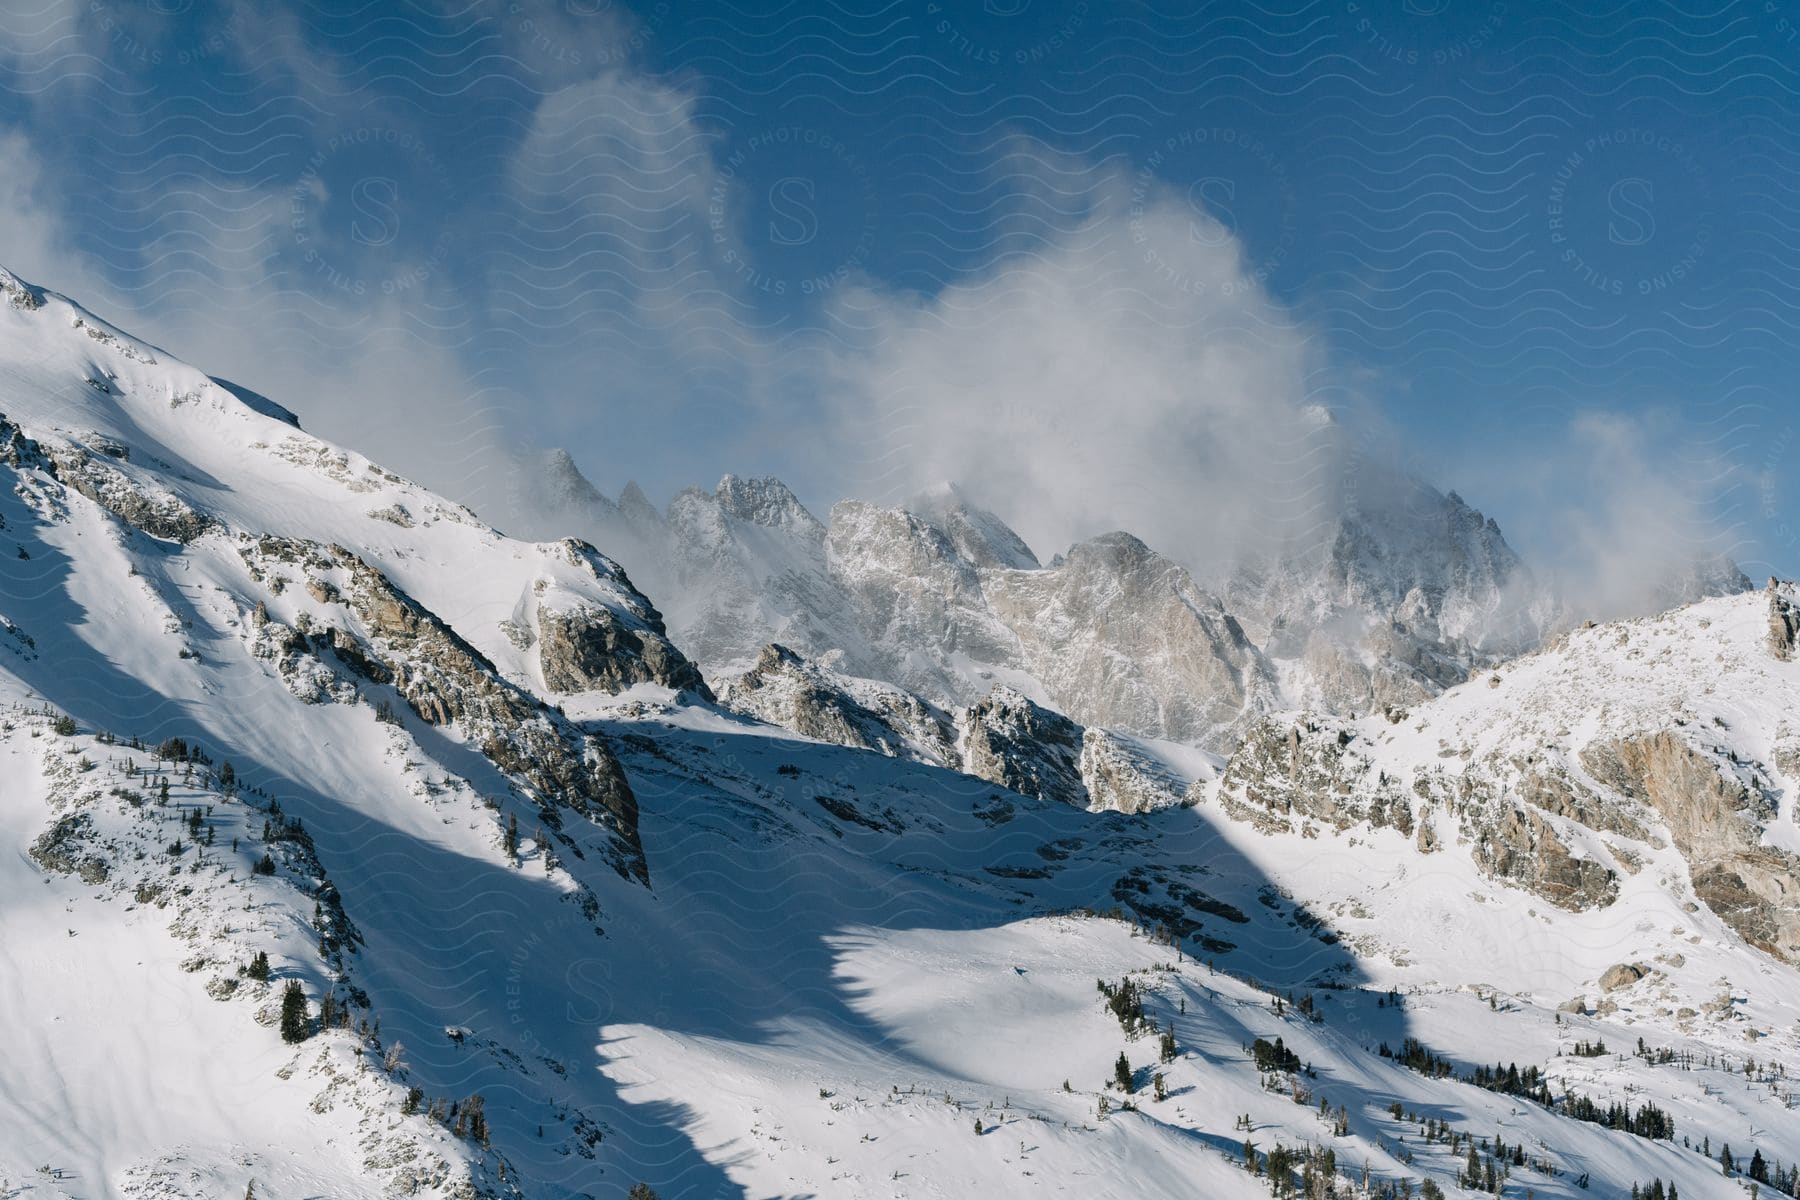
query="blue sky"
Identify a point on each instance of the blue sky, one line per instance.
(1099, 260)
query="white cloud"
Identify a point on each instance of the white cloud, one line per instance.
(1619, 508)
(1130, 375)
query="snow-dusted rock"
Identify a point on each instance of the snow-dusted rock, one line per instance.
(1008, 739)
(1784, 622)
(587, 645)
(786, 690)
(1567, 770)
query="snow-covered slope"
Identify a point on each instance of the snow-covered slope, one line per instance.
(1664, 747)
(465, 789)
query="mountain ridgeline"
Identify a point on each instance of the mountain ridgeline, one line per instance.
(1410, 594)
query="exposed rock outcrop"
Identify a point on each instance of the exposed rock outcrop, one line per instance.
(1123, 638)
(978, 535)
(1010, 740)
(589, 646)
(1784, 622)
(941, 599)
(20, 294)
(786, 690)
(1120, 777)
(1621, 975)
(1716, 822)
(1005, 739)
(1524, 848)
(1313, 769)
(447, 681)
(163, 515)
(395, 641)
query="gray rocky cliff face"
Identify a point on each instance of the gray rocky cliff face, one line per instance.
(1318, 770)
(1009, 740)
(979, 536)
(1004, 738)
(1119, 777)
(1716, 821)
(389, 639)
(1314, 770)
(593, 646)
(784, 689)
(1784, 622)
(163, 515)
(943, 602)
(1524, 848)
(1400, 598)
(1123, 638)
(1563, 830)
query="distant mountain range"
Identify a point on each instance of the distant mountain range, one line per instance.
(1385, 606)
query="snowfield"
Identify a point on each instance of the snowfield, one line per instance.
(580, 927)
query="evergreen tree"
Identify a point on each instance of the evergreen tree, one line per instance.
(296, 1025)
(259, 966)
(1759, 1170)
(1122, 1072)
(474, 1113)
(640, 1191)
(1725, 1160)
(512, 835)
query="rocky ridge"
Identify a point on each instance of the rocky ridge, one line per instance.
(1564, 771)
(1004, 738)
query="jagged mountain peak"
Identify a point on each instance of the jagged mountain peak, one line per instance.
(978, 534)
(767, 502)
(19, 293)
(565, 487)
(635, 506)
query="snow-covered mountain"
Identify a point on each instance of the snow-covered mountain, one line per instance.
(1391, 603)
(352, 848)
(1406, 592)
(942, 599)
